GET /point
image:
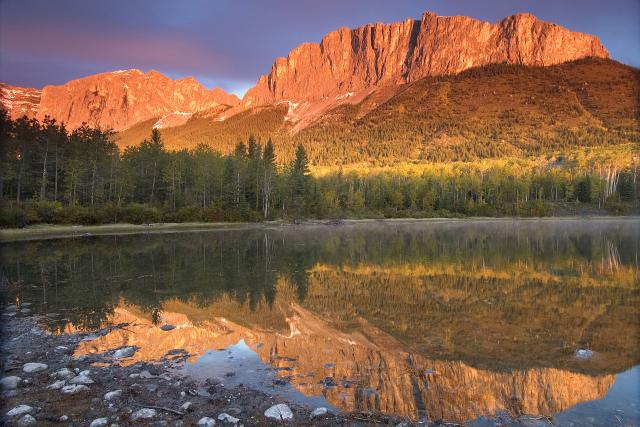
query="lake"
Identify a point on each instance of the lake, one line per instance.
(456, 320)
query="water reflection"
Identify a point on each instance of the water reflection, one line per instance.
(444, 320)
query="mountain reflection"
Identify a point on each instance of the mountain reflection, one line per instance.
(447, 320)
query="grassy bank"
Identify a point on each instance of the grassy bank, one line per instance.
(49, 231)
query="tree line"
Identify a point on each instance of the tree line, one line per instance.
(51, 175)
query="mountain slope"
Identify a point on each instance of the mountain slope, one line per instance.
(490, 111)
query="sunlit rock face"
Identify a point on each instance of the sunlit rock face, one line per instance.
(370, 370)
(19, 101)
(348, 61)
(120, 99)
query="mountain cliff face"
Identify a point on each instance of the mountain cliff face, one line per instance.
(116, 99)
(347, 61)
(19, 101)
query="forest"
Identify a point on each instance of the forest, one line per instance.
(51, 175)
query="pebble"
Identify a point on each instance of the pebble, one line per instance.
(228, 418)
(99, 422)
(279, 412)
(112, 395)
(206, 422)
(167, 327)
(27, 420)
(64, 418)
(74, 388)
(318, 412)
(143, 414)
(124, 352)
(9, 383)
(186, 407)
(32, 367)
(20, 410)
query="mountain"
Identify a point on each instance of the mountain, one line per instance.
(434, 89)
(347, 61)
(120, 99)
(490, 111)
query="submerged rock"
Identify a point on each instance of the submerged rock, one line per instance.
(206, 422)
(33, 367)
(20, 410)
(279, 412)
(9, 383)
(143, 414)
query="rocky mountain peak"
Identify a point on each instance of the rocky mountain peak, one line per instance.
(351, 60)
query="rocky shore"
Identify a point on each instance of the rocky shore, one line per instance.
(43, 383)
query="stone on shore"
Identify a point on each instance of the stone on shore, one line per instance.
(99, 422)
(26, 420)
(279, 412)
(113, 395)
(33, 367)
(74, 388)
(64, 374)
(9, 383)
(57, 385)
(20, 410)
(124, 352)
(143, 414)
(228, 418)
(206, 422)
(318, 412)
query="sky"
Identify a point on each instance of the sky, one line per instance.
(230, 43)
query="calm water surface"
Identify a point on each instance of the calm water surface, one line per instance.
(461, 321)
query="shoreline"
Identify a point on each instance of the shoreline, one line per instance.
(65, 388)
(49, 231)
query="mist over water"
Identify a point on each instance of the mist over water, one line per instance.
(445, 319)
